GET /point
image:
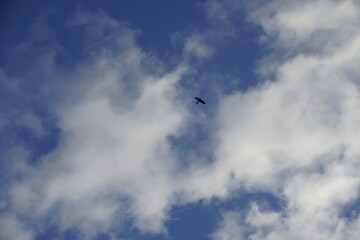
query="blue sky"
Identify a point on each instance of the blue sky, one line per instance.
(101, 137)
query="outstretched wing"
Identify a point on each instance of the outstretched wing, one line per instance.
(199, 100)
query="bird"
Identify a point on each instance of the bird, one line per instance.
(199, 100)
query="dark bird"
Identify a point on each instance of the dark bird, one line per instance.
(199, 100)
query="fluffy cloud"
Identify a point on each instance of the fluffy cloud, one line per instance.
(297, 135)
(303, 25)
(113, 162)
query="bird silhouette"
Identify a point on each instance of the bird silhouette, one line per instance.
(199, 100)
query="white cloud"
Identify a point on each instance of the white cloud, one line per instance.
(195, 46)
(10, 228)
(109, 152)
(257, 224)
(230, 227)
(315, 24)
(297, 136)
(114, 160)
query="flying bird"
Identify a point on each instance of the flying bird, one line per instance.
(199, 100)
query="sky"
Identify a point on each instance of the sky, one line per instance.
(101, 139)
